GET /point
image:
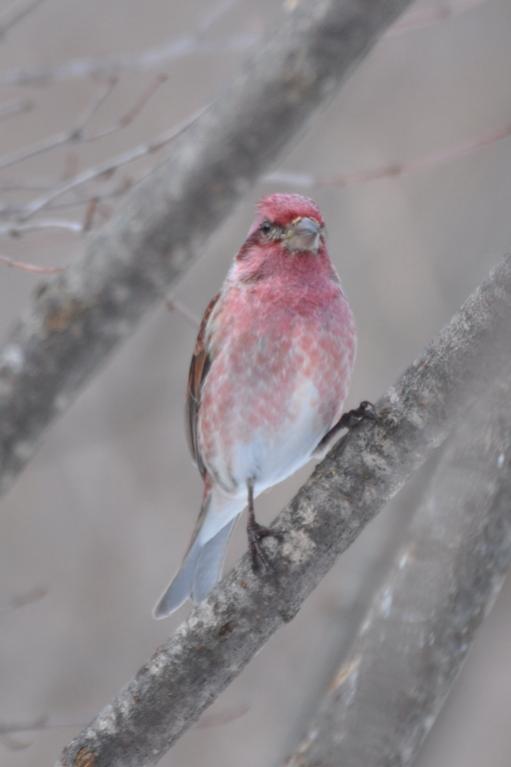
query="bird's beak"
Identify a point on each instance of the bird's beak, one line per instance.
(304, 234)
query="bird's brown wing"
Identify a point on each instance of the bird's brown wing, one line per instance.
(199, 366)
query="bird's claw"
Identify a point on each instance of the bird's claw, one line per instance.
(256, 534)
(366, 411)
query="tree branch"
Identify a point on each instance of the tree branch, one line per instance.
(79, 134)
(104, 168)
(31, 268)
(426, 17)
(396, 169)
(15, 107)
(346, 490)
(386, 695)
(16, 13)
(195, 45)
(78, 318)
(59, 224)
(51, 195)
(148, 60)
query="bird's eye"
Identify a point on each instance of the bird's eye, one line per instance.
(266, 228)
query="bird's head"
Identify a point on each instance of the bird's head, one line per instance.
(287, 238)
(289, 220)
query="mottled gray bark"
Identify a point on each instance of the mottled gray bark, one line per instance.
(346, 490)
(79, 317)
(386, 695)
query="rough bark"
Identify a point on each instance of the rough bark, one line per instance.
(346, 490)
(77, 319)
(387, 693)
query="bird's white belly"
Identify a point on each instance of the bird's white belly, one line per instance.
(272, 453)
(268, 457)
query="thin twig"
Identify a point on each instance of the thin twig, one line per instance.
(174, 305)
(428, 17)
(16, 13)
(16, 727)
(62, 138)
(24, 599)
(31, 268)
(147, 61)
(15, 107)
(90, 212)
(393, 169)
(63, 225)
(211, 15)
(192, 45)
(128, 117)
(27, 598)
(44, 723)
(8, 186)
(289, 178)
(23, 213)
(177, 48)
(118, 191)
(9, 731)
(77, 135)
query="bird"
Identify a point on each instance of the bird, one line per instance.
(267, 382)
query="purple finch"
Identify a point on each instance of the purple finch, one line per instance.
(267, 383)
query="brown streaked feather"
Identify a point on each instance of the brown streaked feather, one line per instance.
(199, 366)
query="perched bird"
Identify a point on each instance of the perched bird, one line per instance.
(267, 382)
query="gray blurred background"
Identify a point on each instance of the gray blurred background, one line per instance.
(100, 519)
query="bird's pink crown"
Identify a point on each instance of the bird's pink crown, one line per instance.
(285, 208)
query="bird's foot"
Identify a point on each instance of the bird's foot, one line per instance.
(256, 534)
(364, 412)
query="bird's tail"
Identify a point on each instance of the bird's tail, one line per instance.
(201, 568)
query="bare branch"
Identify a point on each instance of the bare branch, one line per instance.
(23, 266)
(393, 169)
(430, 16)
(119, 190)
(29, 597)
(388, 691)
(13, 185)
(61, 138)
(23, 600)
(90, 212)
(15, 107)
(12, 743)
(16, 727)
(8, 731)
(17, 230)
(16, 13)
(133, 112)
(290, 178)
(77, 319)
(44, 723)
(109, 166)
(194, 45)
(174, 305)
(210, 16)
(147, 60)
(346, 490)
(78, 135)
